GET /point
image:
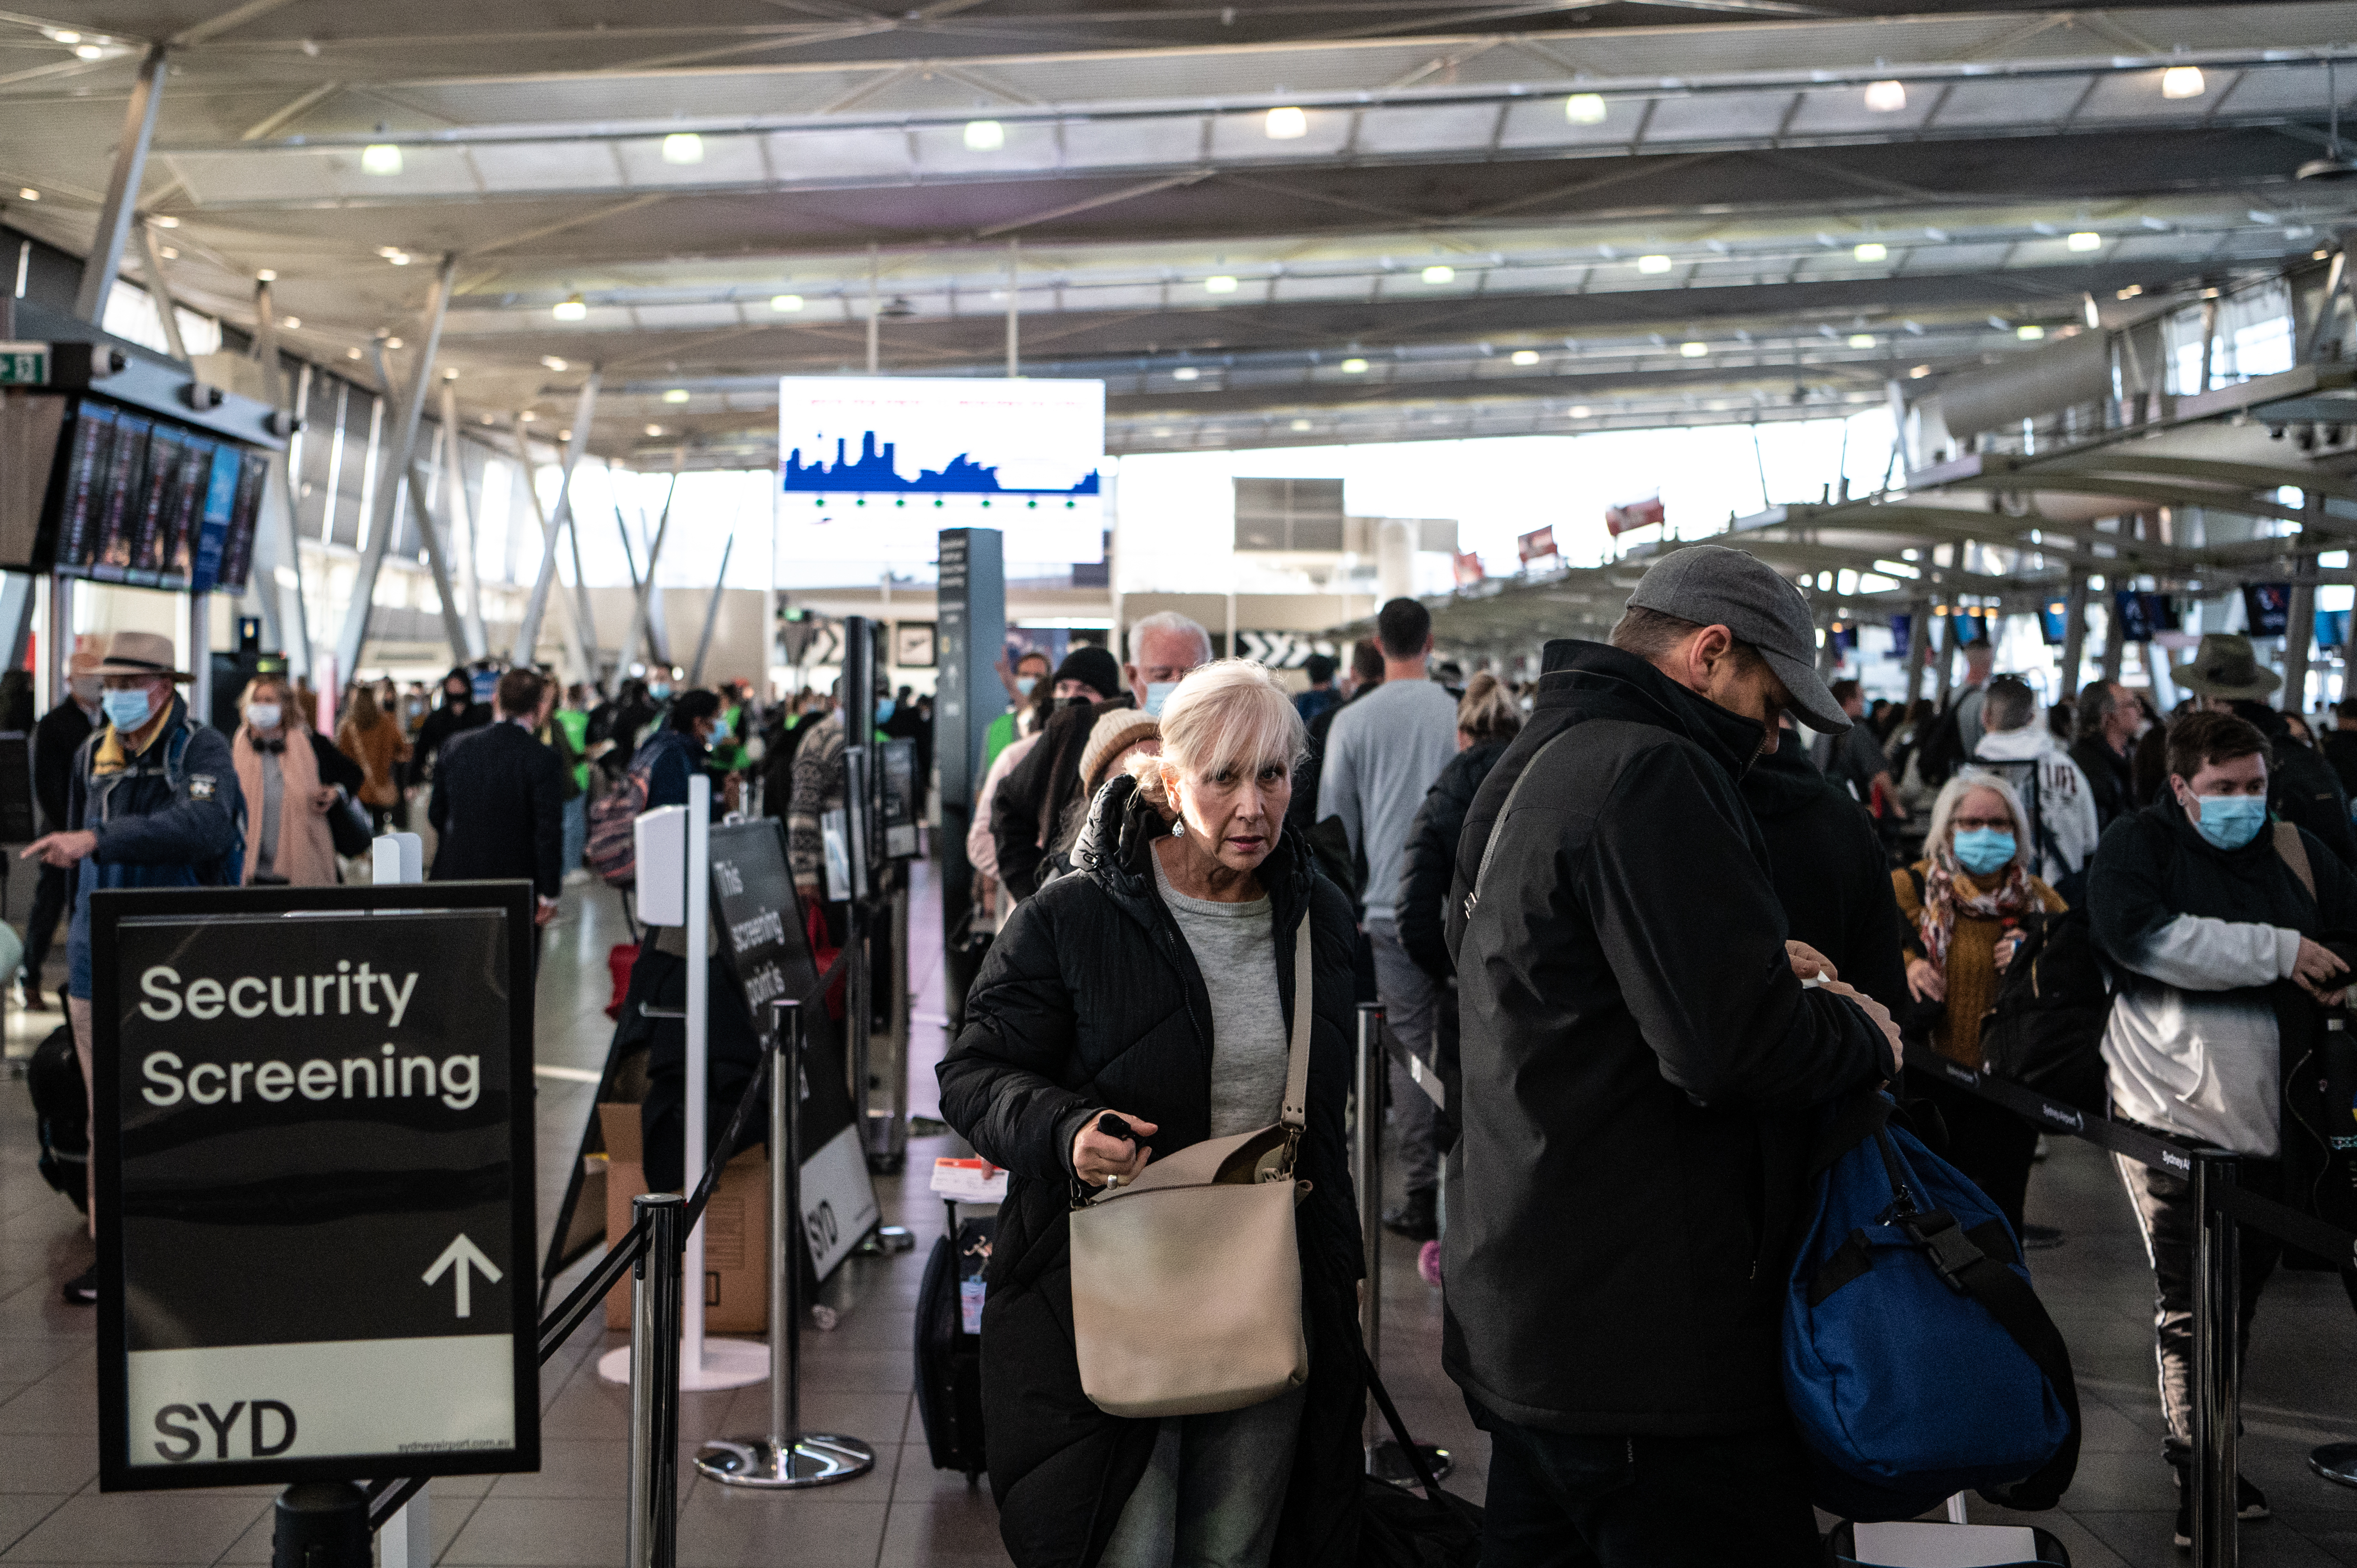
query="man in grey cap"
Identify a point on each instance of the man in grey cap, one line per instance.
(1640, 1065)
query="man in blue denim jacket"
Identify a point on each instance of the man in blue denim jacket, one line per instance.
(153, 802)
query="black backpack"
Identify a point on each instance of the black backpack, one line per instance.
(2045, 1030)
(62, 1114)
(1940, 746)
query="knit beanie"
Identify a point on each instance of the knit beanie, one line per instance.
(1092, 665)
(1116, 731)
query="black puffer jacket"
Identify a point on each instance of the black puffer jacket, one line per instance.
(1639, 1062)
(1091, 999)
(1429, 861)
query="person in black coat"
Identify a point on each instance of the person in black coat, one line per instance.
(55, 739)
(1093, 999)
(456, 713)
(499, 800)
(1829, 871)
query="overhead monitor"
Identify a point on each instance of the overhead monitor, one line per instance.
(873, 467)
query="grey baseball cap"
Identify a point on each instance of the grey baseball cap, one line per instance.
(1710, 585)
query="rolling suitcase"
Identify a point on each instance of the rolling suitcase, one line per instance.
(948, 1345)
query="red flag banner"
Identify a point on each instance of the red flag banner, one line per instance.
(1536, 545)
(1643, 514)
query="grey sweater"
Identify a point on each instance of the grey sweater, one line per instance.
(1382, 755)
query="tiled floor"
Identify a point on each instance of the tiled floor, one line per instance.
(2302, 1377)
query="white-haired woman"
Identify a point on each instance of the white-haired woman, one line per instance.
(1964, 903)
(1156, 981)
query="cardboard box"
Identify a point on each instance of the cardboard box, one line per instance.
(735, 1229)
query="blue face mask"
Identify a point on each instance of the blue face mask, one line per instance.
(659, 692)
(126, 711)
(1024, 684)
(2230, 821)
(720, 728)
(1156, 693)
(1983, 850)
(882, 710)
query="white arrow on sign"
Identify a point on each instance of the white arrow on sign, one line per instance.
(458, 1256)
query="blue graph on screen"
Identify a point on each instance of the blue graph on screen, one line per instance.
(875, 472)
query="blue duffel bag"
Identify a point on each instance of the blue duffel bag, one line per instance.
(1918, 1362)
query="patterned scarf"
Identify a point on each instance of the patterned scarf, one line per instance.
(1945, 901)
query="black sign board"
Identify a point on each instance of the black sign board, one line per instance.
(314, 1184)
(761, 933)
(898, 760)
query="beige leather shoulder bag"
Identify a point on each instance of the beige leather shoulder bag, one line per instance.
(1187, 1283)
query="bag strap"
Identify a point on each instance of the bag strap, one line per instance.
(1415, 1459)
(1489, 850)
(1295, 1110)
(2006, 1297)
(2295, 856)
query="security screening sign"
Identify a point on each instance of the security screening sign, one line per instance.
(315, 1188)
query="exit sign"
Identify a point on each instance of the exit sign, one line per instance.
(24, 364)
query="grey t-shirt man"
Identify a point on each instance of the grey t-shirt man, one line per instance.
(1382, 756)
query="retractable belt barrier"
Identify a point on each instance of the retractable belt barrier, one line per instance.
(2221, 1205)
(649, 1497)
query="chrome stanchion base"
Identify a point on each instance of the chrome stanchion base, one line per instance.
(2336, 1461)
(820, 1459)
(885, 1241)
(1385, 1461)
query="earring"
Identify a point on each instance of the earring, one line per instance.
(1178, 829)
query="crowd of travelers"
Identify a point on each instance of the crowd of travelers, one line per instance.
(1733, 896)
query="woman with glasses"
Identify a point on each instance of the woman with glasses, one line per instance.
(1963, 904)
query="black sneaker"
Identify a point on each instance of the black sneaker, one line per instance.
(83, 1289)
(1417, 1218)
(2250, 1503)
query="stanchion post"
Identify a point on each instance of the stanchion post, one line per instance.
(1367, 1171)
(2217, 1375)
(321, 1524)
(786, 1456)
(654, 1524)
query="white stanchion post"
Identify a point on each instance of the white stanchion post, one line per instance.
(703, 1363)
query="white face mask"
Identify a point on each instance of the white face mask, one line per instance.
(261, 715)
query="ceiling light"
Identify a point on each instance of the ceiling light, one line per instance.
(1300, 424)
(2131, 292)
(1526, 355)
(1578, 411)
(1886, 97)
(2182, 81)
(1861, 339)
(1438, 275)
(388, 252)
(1919, 372)
(169, 253)
(683, 147)
(399, 258)
(527, 416)
(1354, 367)
(1693, 350)
(985, 135)
(1870, 251)
(554, 363)
(351, 353)
(1185, 373)
(392, 343)
(291, 323)
(654, 430)
(165, 220)
(265, 276)
(88, 52)
(2086, 240)
(28, 193)
(60, 35)
(785, 302)
(1285, 124)
(381, 158)
(564, 435)
(1585, 109)
(1220, 284)
(2030, 333)
(1652, 263)
(676, 395)
(2093, 313)
(574, 310)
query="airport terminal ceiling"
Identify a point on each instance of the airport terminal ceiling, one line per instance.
(1259, 224)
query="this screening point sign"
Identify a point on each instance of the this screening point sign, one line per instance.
(315, 1183)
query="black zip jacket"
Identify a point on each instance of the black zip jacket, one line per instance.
(1638, 1062)
(2302, 787)
(1428, 864)
(1091, 999)
(1829, 871)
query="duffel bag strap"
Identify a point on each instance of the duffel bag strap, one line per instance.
(1295, 1110)
(2008, 1298)
(1415, 1459)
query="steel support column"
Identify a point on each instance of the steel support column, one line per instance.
(573, 649)
(2074, 632)
(711, 613)
(119, 211)
(642, 609)
(278, 552)
(452, 629)
(2299, 618)
(462, 528)
(528, 634)
(354, 636)
(161, 292)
